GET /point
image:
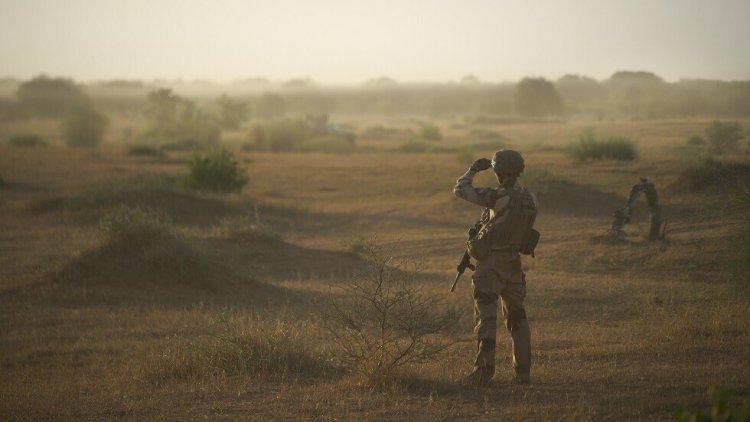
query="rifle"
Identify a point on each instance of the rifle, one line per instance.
(466, 259)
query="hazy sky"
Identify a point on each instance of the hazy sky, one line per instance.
(350, 41)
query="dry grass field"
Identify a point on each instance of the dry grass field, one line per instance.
(219, 317)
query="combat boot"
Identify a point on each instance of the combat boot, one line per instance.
(522, 378)
(479, 377)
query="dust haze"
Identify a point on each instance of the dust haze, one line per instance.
(250, 210)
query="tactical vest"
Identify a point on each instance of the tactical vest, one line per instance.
(516, 230)
(513, 234)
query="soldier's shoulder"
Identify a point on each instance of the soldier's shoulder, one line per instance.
(501, 191)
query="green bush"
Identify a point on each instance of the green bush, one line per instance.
(145, 151)
(696, 140)
(591, 148)
(724, 136)
(281, 136)
(310, 134)
(216, 171)
(714, 176)
(27, 140)
(430, 132)
(721, 410)
(84, 128)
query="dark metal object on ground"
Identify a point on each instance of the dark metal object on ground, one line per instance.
(658, 225)
(465, 259)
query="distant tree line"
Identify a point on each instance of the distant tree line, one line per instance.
(626, 94)
(171, 119)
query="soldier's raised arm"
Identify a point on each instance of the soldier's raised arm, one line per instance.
(464, 189)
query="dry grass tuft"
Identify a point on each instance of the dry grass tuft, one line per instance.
(240, 345)
(245, 228)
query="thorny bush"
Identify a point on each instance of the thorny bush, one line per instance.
(383, 320)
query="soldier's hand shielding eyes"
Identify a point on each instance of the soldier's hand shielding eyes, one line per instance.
(481, 164)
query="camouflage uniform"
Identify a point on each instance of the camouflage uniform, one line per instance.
(498, 275)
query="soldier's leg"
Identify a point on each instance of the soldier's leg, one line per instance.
(486, 292)
(515, 321)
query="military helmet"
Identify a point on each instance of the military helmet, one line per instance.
(507, 161)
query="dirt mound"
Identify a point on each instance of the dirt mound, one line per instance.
(157, 192)
(142, 253)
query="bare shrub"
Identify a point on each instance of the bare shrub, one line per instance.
(383, 319)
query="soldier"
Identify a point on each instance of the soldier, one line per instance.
(499, 274)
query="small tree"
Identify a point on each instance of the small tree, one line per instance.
(383, 320)
(724, 136)
(162, 110)
(177, 122)
(232, 113)
(217, 171)
(537, 97)
(84, 128)
(51, 97)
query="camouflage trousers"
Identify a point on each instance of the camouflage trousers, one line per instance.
(500, 276)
